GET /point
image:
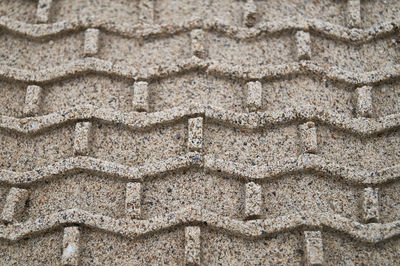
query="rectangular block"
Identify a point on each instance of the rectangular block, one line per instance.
(146, 9)
(254, 95)
(363, 100)
(33, 100)
(140, 100)
(353, 13)
(198, 43)
(133, 200)
(43, 11)
(250, 13)
(71, 247)
(14, 205)
(303, 44)
(192, 245)
(195, 136)
(308, 137)
(91, 45)
(82, 138)
(371, 205)
(253, 200)
(314, 248)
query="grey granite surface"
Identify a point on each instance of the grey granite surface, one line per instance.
(214, 132)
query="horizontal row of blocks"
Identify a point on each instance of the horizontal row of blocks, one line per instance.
(198, 46)
(140, 101)
(253, 205)
(17, 198)
(307, 134)
(198, 43)
(34, 95)
(72, 237)
(82, 136)
(314, 253)
(313, 242)
(146, 12)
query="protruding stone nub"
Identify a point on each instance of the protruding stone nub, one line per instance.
(353, 13)
(254, 95)
(140, 100)
(308, 137)
(303, 44)
(146, 11)
(253, 200)
(371, 205)
(91, 46)
(33, 100)
(250, 13)
(314, 248)
(43, 11)
(133, 199)
(198, 43)
(192, 245)
(195, 136)
(71, 246)
(82, 138)
(15, 203)
(363, 99)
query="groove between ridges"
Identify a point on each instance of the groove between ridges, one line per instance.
(370, 233)
(305, 162)
(37, 31)
(254, 120)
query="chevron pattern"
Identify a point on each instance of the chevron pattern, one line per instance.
(199, 132)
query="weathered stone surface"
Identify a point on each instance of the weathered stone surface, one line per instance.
(199, 132)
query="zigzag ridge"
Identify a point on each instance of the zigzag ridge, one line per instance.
(254, 120)
(97, 166)
(370, 233)
(94, 65)
(133, 120)
(305, 162)
(37, 31)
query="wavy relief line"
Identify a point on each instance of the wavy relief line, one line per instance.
(94, 65)
(253, 120)
(97, 166)
(372, 233)
(133, 120)
(305, 162)
(37, 31)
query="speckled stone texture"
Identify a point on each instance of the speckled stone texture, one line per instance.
(171, 132)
